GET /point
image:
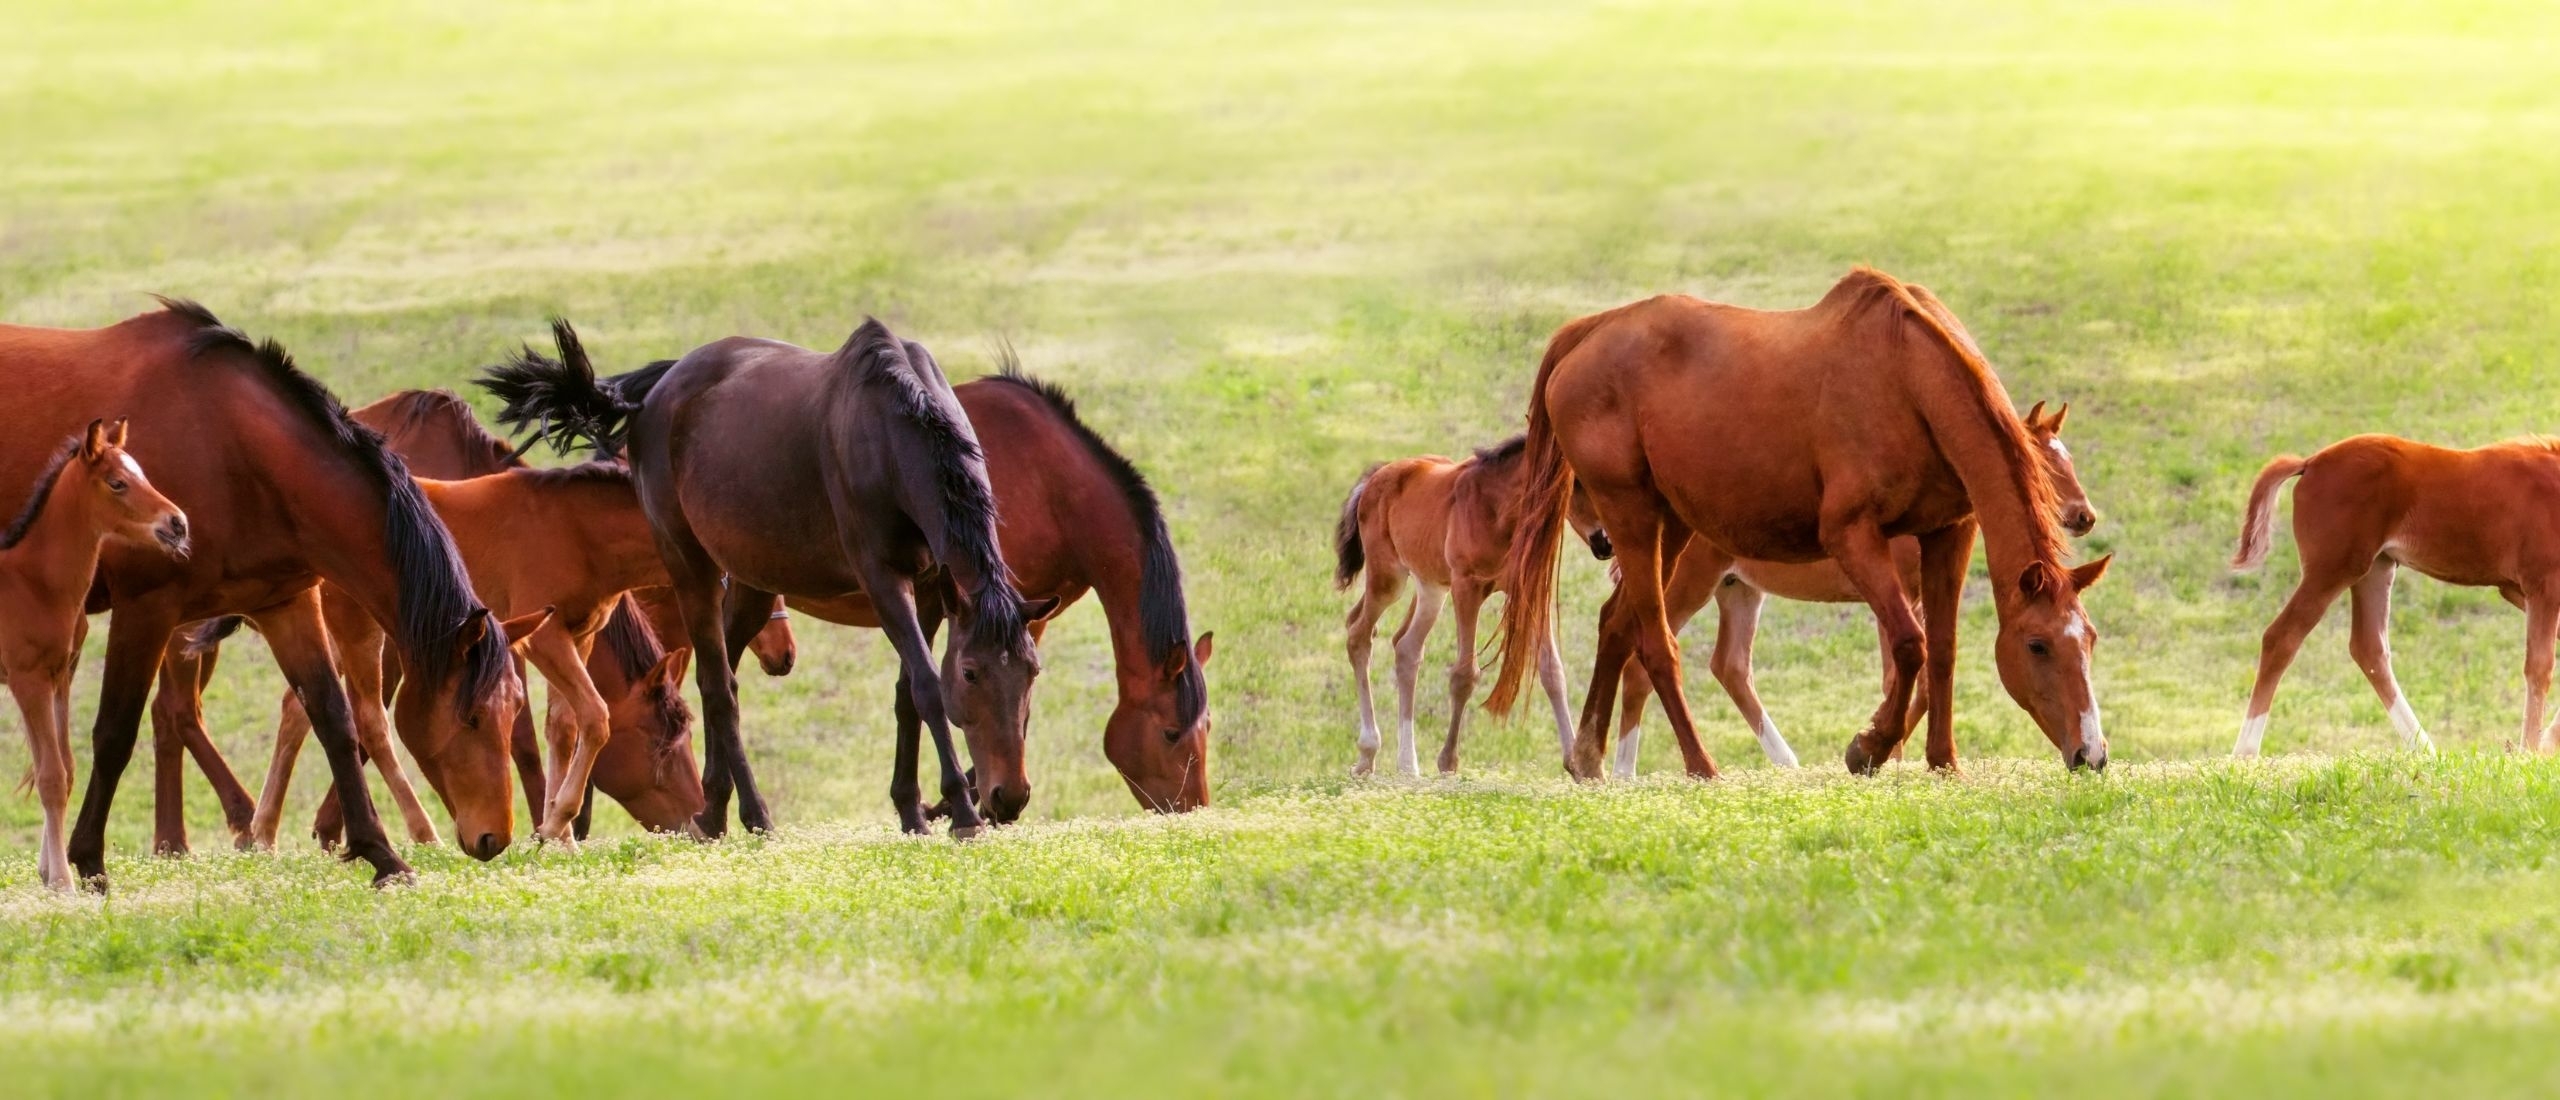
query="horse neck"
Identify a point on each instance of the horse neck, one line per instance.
(1964, 409)
(59, 555)
(594, 521)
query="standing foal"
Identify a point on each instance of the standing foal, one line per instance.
(2372, 503)
(91, 492)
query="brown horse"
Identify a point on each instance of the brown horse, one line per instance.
(1795, 436)
(435, 433)
(281, 489)
(792, 472)
(1738, 586)
(2373, 503)
(89, 494)
(774, 647)
(1445, 525)
(1079, 517)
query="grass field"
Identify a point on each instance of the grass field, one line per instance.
(1266, 246)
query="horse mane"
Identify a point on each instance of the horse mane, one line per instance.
(1164, 616)
(636, 650)
(904, 369)
(599, 471)
(1985, 396)
(434, 592)
(423, 408)
(1503, 452)
(45, 479)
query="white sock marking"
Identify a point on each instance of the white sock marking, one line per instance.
(2406, 721)
(1774, 744)
(2253, 732)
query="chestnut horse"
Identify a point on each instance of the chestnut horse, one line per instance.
(281, 490)
(1791, 437)
(1079, 517)
(793, 472)
(2373, 503)
(1738, 586)
(89, 494)
(1445, 525)
(435, 434)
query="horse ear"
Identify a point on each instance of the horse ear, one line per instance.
(2088, 573)
(522, 626)
(670, 668)
(1035, 610)
(2035, 417)
(2036, 579)
(475, 626)
(2056, 425)
(95, 442)
(1200, 649)
(117, 430)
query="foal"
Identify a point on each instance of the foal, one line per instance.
(1445, 525)
(1739, 586)
(2370, 504)
(90, 493)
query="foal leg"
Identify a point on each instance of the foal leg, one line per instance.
(1466, 598)
(1409, 643)
(182, 682)
(578, 728)
(1867, 557)
(168, 765)
(49, 746)
(2370, 645)
(2283, 639)
(2541, 618)
(1737, 627)
(291, 726)
(360, 658)
(1551, 678)
(1384, 579)
(526, 749)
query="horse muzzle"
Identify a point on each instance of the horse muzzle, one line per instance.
(1600, 545)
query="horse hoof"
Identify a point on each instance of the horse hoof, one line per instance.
(397, 876)
(1859, 760)
(967, 832)
(94, 884)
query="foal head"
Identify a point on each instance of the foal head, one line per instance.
(119, 501)
(775, 648)
(2045, 650)
(462, 749)
(987, 672)
(2076, 515)
(655, 778)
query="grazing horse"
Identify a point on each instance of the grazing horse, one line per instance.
(775, 649)
(435, 434)
(89, 494)
(1791, 437)
(281, 490)
(2370, 504)
(793, 472)
(1079, 517)
(1738, 586)
(1445, 525)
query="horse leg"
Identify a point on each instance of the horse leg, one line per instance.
(526, 749)
(1642, 529)
(906, 797)
(1737, 627)
(292, 724)
(184, 695)
(136, 637)
(168, 766)
(1378, 593)
(1945, 556)
(2283, 639)
(300, 641)
(360, 659)
(1466, 598)
(2541, 619)
(2370, 644)
(697, 587)
(1409, 644)
(893, 599)
(1867, 557)
(578, 728)
(48, 744)
(586, 814)
(1551, 678)
(1609, 661)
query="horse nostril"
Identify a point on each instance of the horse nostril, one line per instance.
(1600, 547)
(487, 847)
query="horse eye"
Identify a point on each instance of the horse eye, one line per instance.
(2037, 647)
(1172, 736)
(968, 675)
(116, 486)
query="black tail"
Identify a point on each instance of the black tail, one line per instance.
(560, 400)
(209, 634)
(1348, 555)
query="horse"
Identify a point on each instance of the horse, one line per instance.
(775, 648)
(1078, 518)
(1445, 525)
(1738, 586)
(1794, 436)
(2368, 505)
(90, 493)
(281, 490)
(435, 434)
(793, 472)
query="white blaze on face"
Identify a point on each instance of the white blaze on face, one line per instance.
(2058, 449)
(2093, 737)
(130, 466)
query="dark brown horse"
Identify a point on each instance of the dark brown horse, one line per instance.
(793, 472)
(281, 490)
(1791, 437)
(1078, 517)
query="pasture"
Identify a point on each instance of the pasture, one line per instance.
(1264, 247)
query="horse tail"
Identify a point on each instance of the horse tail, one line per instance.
(2258, 523)
(1349, 557)
(560, 399)
(1529, 567)
(210, 633)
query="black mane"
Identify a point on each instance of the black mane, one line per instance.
(1504, 451)
(906, 369)
(434, 592)
(636, 650)
(1164, 619)
(17, 530)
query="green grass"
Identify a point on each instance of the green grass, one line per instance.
(1267, 245)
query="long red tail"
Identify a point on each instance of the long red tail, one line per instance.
(1529, 568)
(2258, 523)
